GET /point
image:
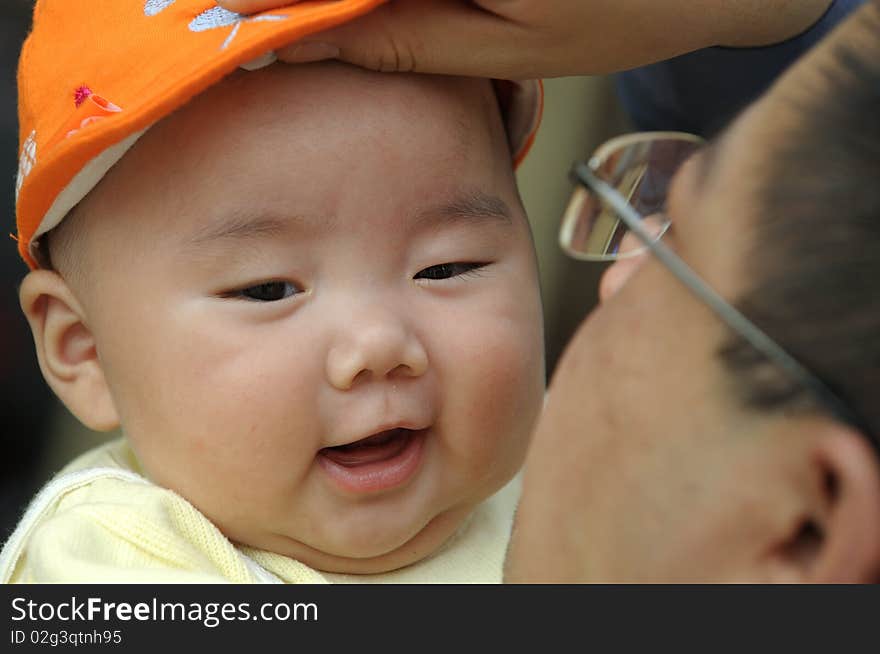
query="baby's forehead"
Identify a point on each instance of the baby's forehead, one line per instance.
(298, 97)
(240, 155)
(321, 108)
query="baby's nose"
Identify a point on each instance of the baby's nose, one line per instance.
(382, 347)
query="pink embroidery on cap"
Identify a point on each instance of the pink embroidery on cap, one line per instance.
(81, 95)
(97, 108)
(90, 108)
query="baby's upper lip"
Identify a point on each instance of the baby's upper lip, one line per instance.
(410, 424)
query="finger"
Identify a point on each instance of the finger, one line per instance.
(253, 6)
(426, 37)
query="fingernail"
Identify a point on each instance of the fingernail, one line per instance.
(303, 53)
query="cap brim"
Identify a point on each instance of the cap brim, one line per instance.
(207, 46)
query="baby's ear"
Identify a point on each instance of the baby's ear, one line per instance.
(66, 349)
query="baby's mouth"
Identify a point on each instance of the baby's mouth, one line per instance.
(379, 447)
(378, 463)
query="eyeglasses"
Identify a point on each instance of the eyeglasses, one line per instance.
(618, 210)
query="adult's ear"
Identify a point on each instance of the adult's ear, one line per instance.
(837, 540)
(66, 349)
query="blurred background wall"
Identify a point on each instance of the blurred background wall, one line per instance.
(38, 436)
(25, 402)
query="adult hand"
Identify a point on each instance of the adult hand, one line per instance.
(542, 38)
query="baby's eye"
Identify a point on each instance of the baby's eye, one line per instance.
(448, 270)
(267, 291)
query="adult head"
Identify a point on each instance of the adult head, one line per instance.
(670, 449)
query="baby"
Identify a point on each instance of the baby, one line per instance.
(308, 296)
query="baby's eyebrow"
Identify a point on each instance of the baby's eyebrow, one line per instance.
(244, 225)
(476, 206)
(238, 227)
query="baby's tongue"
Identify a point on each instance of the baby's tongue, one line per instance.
(379, 447)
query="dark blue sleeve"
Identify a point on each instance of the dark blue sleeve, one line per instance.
(700, 92)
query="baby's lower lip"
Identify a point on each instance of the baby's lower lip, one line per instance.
(371, 469)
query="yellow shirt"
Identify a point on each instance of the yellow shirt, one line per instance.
(101, 521)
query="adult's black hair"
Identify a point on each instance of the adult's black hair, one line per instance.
(815, 262)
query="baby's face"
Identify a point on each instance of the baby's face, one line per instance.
(315, 301)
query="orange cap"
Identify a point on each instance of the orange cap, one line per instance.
(94, 75)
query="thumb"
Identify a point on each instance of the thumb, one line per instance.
(365, 42)
(253, 6)
(431, 36)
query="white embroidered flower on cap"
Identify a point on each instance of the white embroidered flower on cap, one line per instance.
(213, 18)
(153, 7)
(26, 162)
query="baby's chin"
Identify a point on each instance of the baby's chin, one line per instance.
(368, 556)
(374, 535)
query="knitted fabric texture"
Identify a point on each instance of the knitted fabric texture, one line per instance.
(100, 521)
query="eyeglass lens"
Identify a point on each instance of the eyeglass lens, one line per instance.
(641, 171)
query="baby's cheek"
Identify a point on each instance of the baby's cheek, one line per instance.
(231, 418)
(496, 393)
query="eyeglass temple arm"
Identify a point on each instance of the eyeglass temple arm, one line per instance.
(723, 309)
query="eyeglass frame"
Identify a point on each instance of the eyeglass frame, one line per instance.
(583, 174)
